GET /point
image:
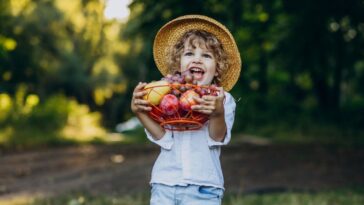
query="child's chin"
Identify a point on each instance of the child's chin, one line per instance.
(203, 82)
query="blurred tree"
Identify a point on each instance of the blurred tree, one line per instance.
(55, 46)
(309, 52)
(326, 40)
(7, 43)
(298, 58)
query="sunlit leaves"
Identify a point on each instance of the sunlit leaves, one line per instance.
(8, 44)
(20, 6)
(82, 124)
(5, 105)
(56, 46)
(7, 76)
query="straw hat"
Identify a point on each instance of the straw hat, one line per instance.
(171, 33)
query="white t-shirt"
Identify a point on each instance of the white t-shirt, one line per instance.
(192, 157)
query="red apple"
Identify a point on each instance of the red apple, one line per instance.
(169, 104)
(186, 100)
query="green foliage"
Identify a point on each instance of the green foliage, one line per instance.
(302, 61)
(27, 123)
(27, 126)
(60, 47)
(299, 65)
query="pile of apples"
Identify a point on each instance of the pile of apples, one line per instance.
(174, 94)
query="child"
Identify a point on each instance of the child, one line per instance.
(188, 169)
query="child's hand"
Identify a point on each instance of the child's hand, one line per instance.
(138, 104)
(211, 105)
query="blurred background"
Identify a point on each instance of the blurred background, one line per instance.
(68, 69)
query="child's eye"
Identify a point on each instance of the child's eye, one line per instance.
(207, 55)
(188, 54)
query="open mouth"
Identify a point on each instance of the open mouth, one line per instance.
(197, 73)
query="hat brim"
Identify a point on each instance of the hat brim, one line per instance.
(171, 33)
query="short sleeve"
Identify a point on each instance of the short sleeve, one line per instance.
(166, 142)
(229, 106)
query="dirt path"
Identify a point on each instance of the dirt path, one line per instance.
(126, 169)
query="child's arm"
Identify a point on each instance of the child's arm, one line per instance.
(217, 127)
(140, 107)
(214, 107)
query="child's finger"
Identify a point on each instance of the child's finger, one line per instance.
(196, 107)
(207, 112)
(199, 100)
(209, 97)
(202, 107)
(140, 94)
(144, 108)
(141, 102)
(140, 86)
(147, 108)
(221, 92)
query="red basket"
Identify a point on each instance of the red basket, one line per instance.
(181, 119)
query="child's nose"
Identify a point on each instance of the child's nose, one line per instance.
(197, 59)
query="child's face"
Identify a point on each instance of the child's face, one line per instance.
(200, 62)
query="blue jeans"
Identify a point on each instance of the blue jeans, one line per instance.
(185, 195)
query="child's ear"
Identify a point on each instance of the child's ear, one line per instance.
(216, 74)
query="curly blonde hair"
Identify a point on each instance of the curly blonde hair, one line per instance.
(199, 37)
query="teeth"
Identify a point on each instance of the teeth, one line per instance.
(196, 70)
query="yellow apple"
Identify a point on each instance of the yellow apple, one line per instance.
(156, 91)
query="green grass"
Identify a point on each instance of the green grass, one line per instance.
(336, 197)
(324, 198)
(81, 199)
